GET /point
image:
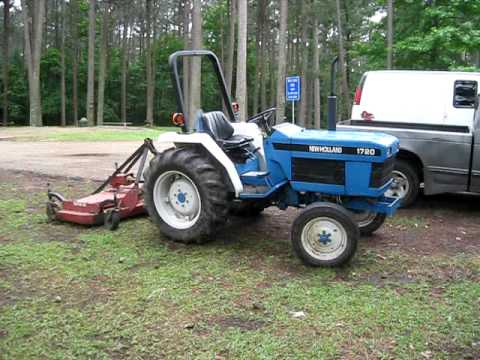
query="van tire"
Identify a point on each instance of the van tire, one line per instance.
(410, 173)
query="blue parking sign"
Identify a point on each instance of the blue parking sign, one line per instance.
(293, 88)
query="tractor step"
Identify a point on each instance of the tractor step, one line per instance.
(252, 189)
(256, 174)
(256, 179)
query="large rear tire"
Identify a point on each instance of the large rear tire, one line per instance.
(324, 234)
(185, 194)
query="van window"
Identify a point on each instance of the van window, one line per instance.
(465, 93)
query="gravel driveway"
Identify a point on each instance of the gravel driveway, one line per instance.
(90, 160)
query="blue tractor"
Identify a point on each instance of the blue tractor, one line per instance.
(222, 167)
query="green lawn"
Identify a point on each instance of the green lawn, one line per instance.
(69, 292)
(104, 134)
(85, 134)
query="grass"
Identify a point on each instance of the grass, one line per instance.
(104, 134)
(85, 134)
(402, 220)
(68, 292)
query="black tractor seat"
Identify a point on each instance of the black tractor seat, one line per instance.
(219, 128)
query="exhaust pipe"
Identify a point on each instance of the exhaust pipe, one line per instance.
(332, 99)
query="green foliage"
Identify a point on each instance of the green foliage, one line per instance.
(442, 36)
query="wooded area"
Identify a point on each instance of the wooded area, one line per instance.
(106, 60)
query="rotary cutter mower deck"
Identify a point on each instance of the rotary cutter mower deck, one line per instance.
(217, 167)
(119, 197)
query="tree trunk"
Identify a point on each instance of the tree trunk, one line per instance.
(272, 71)
(347, 36)
(230, 46)
(302, 111)
(33, 17)
(263, 81)
(241, 91)
(123, 101)
(390, 35)
(195, 64)
(102, 65)
(149, 64)
(74, 25)
(186, 62)
(45, 30)
(6, 58)
(57, 25)
(91, 64)
(264, 69)
(282, 49)
(156, 14)
(259, 61)
(316, 78)
(342, 58)
(63, 88)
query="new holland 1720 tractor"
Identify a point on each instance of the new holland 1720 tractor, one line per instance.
(219, 167)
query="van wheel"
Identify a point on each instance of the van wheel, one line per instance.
(406, 183)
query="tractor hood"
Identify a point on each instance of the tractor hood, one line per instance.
(372, 145)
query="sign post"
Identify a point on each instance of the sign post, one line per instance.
(293, 91)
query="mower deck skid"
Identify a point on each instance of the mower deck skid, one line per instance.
(119, 197)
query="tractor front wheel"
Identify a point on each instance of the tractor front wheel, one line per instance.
(324, 234)
(368, 222)
(185, 194)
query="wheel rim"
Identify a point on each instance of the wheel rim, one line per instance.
(400, 185)
(364, 218)
(324, 238)
(177, 199)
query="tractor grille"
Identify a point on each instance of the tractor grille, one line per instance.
(318, 171)
(381, 172)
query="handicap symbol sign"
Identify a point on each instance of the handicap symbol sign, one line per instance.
(292, 88)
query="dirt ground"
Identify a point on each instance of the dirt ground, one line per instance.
(90, 160)
(436, 225)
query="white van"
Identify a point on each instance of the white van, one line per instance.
(419, 97)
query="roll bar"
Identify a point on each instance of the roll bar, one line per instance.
(173, 62)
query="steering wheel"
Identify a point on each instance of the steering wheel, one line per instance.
(264, 119)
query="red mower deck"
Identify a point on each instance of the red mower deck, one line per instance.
(119, 197)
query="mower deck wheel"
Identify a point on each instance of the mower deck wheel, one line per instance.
(111, 220)
(51, 210)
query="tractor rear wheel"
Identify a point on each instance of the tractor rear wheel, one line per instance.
(185, 194)
(324, 234)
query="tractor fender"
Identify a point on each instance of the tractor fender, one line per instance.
(165, 140)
